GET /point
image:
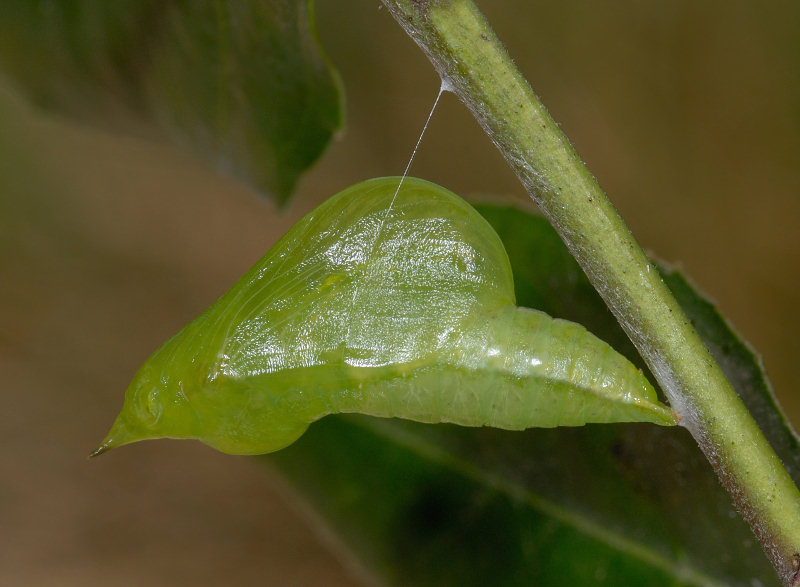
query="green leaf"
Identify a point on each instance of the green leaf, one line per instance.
(244, 82)
(627, 504)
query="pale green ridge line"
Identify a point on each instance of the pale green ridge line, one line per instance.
(435, 453)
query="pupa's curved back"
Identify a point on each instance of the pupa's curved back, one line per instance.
(368, 277)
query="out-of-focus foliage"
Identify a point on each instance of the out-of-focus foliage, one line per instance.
(244, 82)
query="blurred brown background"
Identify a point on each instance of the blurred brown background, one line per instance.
(688, 113)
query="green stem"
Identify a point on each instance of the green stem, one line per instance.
(473, 64)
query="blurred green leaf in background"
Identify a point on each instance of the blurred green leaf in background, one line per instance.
(246, 83)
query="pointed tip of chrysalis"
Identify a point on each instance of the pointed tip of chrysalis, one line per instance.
(109, 442)
(117, 436)
(106, 445)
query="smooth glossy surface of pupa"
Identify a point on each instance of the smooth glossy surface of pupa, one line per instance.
(389, 306)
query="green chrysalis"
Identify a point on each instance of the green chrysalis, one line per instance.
(381, 302)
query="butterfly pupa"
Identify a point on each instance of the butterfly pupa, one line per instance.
(396, 305)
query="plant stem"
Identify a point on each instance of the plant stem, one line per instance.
(474, 65)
